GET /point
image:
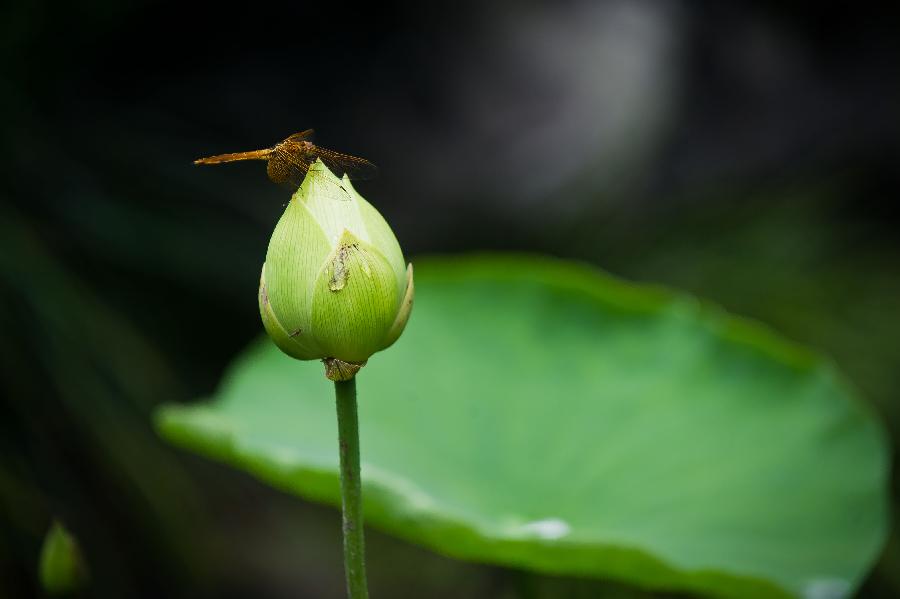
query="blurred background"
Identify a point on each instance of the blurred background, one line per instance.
(745, 152)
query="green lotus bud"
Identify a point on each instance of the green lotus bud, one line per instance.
(62, 568)
(334, 286)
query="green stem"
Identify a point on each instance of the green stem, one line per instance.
(351, 489)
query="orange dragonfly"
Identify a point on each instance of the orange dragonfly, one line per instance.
(289, 160)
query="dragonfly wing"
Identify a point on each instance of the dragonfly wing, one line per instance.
(340, 164)
(293, 166)
(302, 136)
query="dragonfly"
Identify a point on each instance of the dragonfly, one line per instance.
(289, 161)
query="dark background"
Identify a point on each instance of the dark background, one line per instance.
(746, 152)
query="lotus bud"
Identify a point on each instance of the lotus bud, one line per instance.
(334, 286)
(62, 568)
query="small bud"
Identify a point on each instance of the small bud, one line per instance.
(62, 569)
(334, 286)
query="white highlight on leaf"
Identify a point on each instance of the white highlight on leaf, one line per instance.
(284, 455)
(548, 528)
(826, 588)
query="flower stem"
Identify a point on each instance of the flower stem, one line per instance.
(351, 489)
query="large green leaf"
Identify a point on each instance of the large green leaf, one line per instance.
(543, 415)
